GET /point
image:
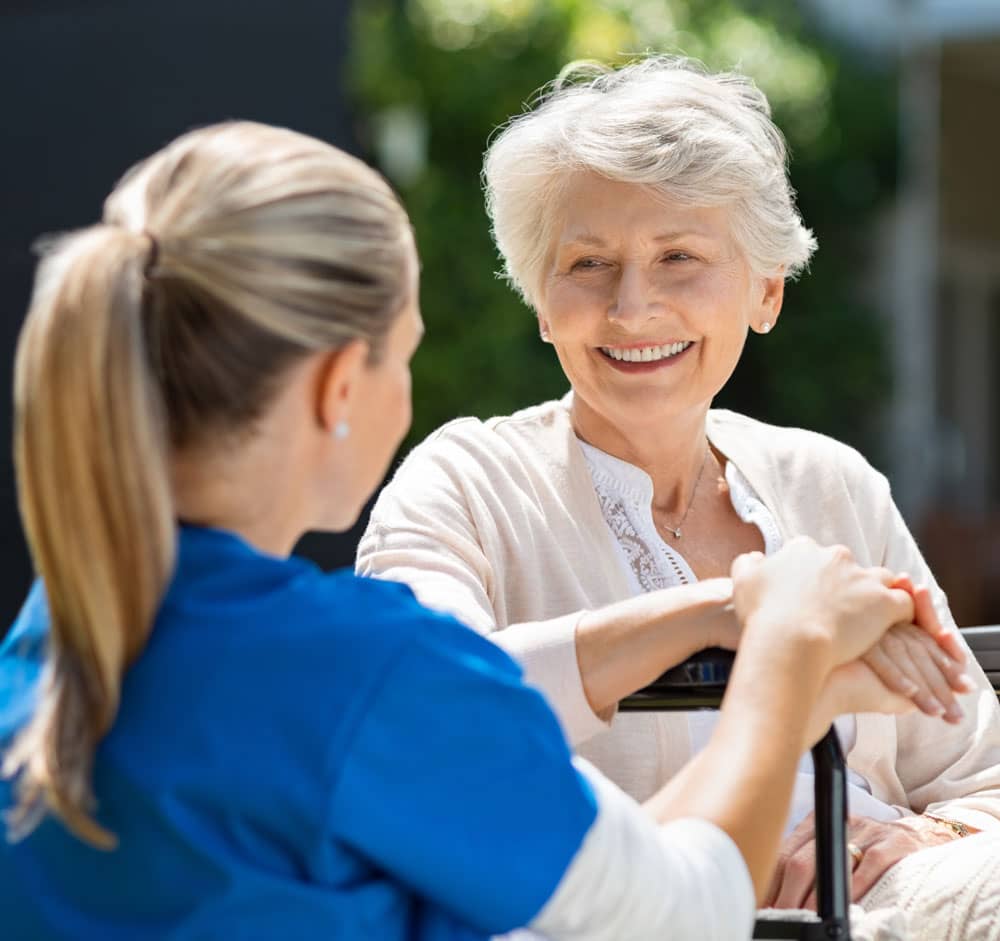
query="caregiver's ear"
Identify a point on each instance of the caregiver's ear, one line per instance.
(338, 381)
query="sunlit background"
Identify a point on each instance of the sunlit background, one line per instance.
(891, 109)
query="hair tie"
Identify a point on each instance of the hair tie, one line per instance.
(154, 254)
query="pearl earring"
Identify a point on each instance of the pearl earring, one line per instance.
(765, 327)
(341, 430)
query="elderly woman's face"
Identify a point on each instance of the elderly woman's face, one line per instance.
(647, 302)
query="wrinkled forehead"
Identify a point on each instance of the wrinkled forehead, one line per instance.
(593, 210)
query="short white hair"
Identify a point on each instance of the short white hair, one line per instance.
(700, 138)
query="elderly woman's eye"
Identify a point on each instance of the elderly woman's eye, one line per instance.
(677, 256)
(586, 263)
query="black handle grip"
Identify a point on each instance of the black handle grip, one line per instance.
(697, 683)
(707, 669)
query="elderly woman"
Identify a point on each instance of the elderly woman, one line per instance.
(647, 217)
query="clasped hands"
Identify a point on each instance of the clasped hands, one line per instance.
(891, 642)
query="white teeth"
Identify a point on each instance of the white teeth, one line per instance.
(645, 354)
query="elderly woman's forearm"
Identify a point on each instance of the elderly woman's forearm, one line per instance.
(624, 646)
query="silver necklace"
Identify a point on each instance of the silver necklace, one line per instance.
(675, 531)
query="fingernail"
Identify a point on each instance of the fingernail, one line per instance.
(954, 712)
(934, 708)
(965, 681)
(910, 688)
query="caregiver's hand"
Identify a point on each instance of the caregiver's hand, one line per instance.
(821, 592)
(879, 846)
(852, 687)
(923, 661)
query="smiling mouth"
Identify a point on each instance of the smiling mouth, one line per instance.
(645, 354)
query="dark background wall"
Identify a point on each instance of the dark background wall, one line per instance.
(89, 87)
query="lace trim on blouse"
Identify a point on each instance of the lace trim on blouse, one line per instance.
(625, 494)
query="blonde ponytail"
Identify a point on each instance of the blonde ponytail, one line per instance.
(91, 455)
(269, 245)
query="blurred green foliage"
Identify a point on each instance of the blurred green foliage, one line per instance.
(433, 78)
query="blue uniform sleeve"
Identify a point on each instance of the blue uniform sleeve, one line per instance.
(459, 783)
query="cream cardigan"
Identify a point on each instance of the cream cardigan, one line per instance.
(498, 523)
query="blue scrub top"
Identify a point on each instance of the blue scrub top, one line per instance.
(300, 755)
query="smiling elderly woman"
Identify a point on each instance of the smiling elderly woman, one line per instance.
(647, 217)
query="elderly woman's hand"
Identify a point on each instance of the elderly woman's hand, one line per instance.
(880, 845)
(923, 661)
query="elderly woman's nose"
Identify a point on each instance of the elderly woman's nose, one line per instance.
(634, 298)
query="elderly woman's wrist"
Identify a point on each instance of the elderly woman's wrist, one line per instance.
(933, 830)
(955, 828)
(714, 619)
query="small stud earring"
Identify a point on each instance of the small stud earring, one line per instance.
(341, 430)
(765, 327)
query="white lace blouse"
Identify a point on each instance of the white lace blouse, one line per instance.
(625, 493)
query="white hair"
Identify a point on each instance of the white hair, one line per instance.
(699, 138)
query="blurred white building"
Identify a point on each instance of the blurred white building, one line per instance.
(940, 249)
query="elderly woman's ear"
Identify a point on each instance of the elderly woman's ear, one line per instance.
(543, 331)
(771, 298)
